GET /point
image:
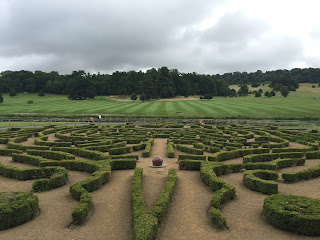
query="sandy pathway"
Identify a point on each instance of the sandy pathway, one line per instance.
(187, 216)
(3, 145)
(30, 141)
(55, 212)
(112, 218)
(155, 178)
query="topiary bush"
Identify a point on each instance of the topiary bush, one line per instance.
(17, 208)
(293, 213)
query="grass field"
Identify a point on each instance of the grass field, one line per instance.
(299, 104)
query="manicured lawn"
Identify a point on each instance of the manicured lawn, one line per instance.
(298, 104)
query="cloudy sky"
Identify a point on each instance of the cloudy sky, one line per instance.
(204, 36)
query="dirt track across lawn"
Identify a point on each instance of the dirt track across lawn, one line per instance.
(187, 217)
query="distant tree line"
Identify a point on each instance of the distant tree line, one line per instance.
(153, 84)
(276, 79)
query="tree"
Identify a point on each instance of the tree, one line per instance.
(284, 91)
(142, 97)
(267, 94)
(80, 86)
(41, 93)
(273, 93)
(133, 96)
(12, 92)
(1, 98)
(232, 93)
(258, 94)
(243, 91)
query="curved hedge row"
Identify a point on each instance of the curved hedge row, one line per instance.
(17, 208)
(223, 191)
(259, 180)
(293, 213)
(291, 177)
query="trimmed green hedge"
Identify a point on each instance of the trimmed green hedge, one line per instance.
(27, 159)
(147, 151)
(291, 177)
(122, 164)
(145, 225)
(279, 150)
(164, 198)
(190, 164)
(192, 157)
(226, 155)
(8, 152)
(72, 150)
(223, 195)
(275, 164)
(223, 191)
(270, 156)
(94, 155)
(17, 208)
(293, 213)
(56, 155)
(261, 180)
(120, 150)
(313, 154)
(80, 191)
(170, 151)
(190, 150)
(59, 178)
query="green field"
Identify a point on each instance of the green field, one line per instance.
(300, 104)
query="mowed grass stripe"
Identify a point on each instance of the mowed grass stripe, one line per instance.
(199, 108)
(222, 109)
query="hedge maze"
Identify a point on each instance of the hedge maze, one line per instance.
(259, 152)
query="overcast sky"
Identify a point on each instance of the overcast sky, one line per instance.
(204, 36)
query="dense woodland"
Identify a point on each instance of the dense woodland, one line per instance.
(154, 83)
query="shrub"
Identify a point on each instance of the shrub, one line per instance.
(120, 150)
(293, 213)
(192, 157)
(190, 164)
(259, 180)
(134, 97)
(56, 155)
(59, 178)
(291, 177)
(17, 208)
(147, 151)
(122, 164)
(164, 198)
(145, 226)
(170, 151)
(12, 92)
(30, 101)
(191, 150)
(41, 93)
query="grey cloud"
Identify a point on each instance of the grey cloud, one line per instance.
(130, 35)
